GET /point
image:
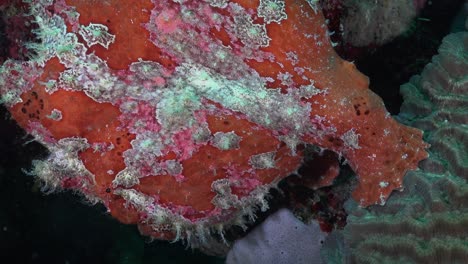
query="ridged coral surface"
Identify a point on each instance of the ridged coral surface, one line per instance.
(179, 116)
(427, 222)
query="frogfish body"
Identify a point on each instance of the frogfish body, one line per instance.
(179, 115)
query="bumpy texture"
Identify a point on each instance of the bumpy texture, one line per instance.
(377, 21)
(427, 222)
(179, 115)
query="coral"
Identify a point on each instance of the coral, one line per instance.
(425, 223)
(377, 22)
(281, 239)
(359, 28)
(179, 116)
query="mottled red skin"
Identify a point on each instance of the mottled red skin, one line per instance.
(361, 111)
(98, 122)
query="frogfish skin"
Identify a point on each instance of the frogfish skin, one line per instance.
(179, 115)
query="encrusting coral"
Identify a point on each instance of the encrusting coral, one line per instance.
(179, 115)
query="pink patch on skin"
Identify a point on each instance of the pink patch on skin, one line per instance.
(142, 118)
(159, 81)
(246, 185)
(186, 211)
(205, 46)
(233, 172)
(61, 7)
(208, 12)
(240, 181)
(179, 178)
(41, 130)
(72, 183)
(76, 183)
(121, 73)
(168, 22)
(200, 116)
(184, 144)
(167, 72)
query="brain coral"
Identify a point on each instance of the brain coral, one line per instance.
(179, 115)
(427, 222)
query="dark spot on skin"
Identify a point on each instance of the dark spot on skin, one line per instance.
(118, 140)
(119, 153)
(34, 94)
(358, 112)
(108, 190)
(23, 110)
(373, 133)
(226, 122)
(366, 112)
(38, 112)
(335, 141)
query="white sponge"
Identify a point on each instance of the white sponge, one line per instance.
(280, 239)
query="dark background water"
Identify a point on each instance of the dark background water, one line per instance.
(60, 228)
